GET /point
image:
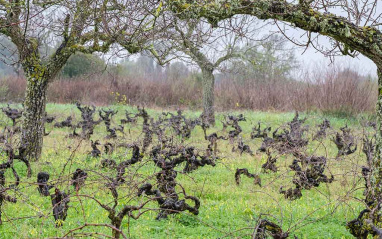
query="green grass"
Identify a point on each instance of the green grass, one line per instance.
(227, 210)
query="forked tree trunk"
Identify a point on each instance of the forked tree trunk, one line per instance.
(208, 94)
(33, 117)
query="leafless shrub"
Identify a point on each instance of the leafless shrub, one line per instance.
(245, 171)
(331, 91)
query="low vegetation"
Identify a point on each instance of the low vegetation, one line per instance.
(132, 172)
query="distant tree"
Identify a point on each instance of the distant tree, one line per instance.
(82, 64)
(143, 66)
(196, 42)
(268, 60)
(124, 68)
(177, 71)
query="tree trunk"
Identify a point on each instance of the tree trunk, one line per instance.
(117, 224)
(33, 117)
(376, 177)
(369, 221)
(208, 94)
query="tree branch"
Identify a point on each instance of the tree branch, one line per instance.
(367, 40)
(230, 54)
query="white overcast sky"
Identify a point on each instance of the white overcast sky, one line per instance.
(311, 58)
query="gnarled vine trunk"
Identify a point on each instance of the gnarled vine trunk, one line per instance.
(33, 116)
(117, 224)
(208, 94)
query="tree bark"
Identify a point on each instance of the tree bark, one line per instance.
(368, 222)
(376, 177)
(33, 116)
(373, 198)
(377, 166)
(117, 224)
(208, 94)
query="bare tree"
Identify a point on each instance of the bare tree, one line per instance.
(76, 26)
(196, 42)
(353, 27)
